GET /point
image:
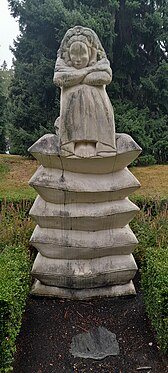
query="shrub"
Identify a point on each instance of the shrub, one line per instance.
(155, 288)
(144, 160)
(16, 225)
(14, 286)
(150, 226)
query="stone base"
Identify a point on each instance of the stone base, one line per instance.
(82, 212)
(39, 289)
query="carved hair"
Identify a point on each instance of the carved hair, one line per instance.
(86, 36)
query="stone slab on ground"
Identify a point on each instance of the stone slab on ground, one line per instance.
(96, 344)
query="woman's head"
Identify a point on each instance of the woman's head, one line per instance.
(81, 47)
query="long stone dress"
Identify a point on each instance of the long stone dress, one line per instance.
(86, 113)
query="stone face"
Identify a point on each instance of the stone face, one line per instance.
(84, 273)
(95, 344)
(82, 212)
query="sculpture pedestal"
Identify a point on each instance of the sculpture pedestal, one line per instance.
(82, 213)
(39, 289)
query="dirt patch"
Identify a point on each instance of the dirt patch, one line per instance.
(49, 325)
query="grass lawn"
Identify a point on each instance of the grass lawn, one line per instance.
(153, 179)
(15, 172)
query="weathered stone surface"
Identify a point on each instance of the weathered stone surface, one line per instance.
(82, 212)
(88, 273)
(83, 216)
(47, 145)
(82, 71)
(95, 344)
(68, 187)
(71, 244)
(46, 151)
(39, 289)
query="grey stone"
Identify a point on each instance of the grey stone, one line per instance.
(84, 273)
(73, 187)
(40, 290)
(73, 244)
(83, 239)
(46, 151)
(96, 344)
(82, 72)
(84, 216)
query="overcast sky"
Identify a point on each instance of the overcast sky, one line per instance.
(9, 29)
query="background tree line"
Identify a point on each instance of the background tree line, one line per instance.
(134, 34)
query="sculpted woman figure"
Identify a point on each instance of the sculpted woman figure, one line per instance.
(86, 122)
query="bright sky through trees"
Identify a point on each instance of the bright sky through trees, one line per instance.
(9, 29)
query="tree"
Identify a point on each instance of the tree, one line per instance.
(2, 121)
(140, 69)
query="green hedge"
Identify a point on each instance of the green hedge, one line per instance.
(155, 288)
(14, 286)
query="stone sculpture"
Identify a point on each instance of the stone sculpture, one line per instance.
(86, 122)
(82, 211)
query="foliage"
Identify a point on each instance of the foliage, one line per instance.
(5, 79)
(134, 35)
(145, 160)
(155, 289)
(2, 118)
(140, 68)
(14, 287)
(150, 225)
(6, 76)
(151, 133)
(16, 225)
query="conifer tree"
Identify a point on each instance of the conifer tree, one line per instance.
(2, 116)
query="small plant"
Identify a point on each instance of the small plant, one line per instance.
(4, 168)
(150, 227)
(155, 288)
(16, 225)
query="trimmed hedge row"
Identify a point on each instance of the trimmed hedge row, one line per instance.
(154, 279)
(14, 286)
